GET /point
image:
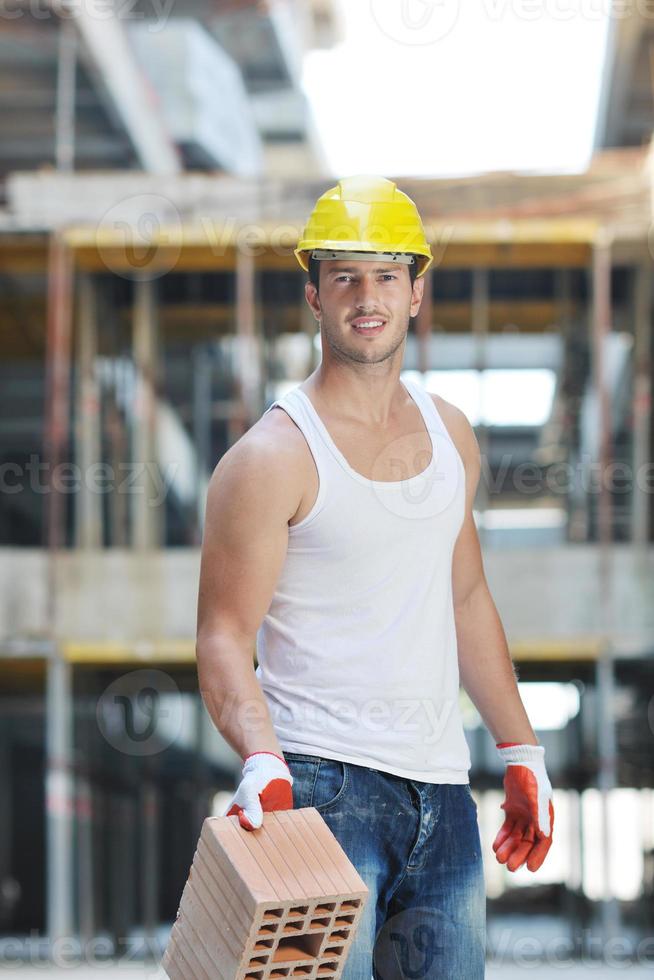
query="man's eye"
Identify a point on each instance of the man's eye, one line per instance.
(342, 278)
(389, 275)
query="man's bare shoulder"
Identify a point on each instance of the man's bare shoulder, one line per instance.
(275, 435)
(269, 459)
(458, 425)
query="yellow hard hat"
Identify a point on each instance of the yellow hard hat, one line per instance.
(366, 214)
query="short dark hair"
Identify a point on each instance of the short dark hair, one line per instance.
(314, 271)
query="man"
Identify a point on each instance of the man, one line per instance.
(340, 540)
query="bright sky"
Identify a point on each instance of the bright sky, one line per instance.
(447, 87)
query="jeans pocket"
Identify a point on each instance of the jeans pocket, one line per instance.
(301, 757)
(304, 770)
(330, 784)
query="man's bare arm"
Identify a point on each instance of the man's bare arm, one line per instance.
(485, 663)
(253, 492)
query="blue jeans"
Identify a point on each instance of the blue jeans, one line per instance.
(416, 845)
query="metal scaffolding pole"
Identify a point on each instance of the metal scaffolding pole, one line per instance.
(203, 367)
(248, 351)
(60, 801)
(59, 783)
(88, 513)
(58, 343)
(147, 523)
(605, 677)
(576, 506)
(642, 404)
(59, 788)
(86, 883)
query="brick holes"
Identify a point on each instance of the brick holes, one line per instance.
(304, 947)
(352, 904)
(293, 927)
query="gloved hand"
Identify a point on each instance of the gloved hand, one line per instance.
(526, 834)
(265, 785)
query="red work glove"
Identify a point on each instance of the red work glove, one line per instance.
(526, 834)
(266, 785)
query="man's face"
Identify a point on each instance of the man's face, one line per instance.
(353, 294)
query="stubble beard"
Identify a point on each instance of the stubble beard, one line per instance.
(341, 352)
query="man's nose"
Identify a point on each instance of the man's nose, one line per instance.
(365, 294)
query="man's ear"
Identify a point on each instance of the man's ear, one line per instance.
(313, 299)
(416, 295)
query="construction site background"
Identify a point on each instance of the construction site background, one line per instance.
(151, 308)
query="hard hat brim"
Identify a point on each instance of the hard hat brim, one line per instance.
(303, 253)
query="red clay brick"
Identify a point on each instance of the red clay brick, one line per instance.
(281, 901)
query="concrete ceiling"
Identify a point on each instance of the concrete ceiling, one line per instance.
(625, 114)
(118, 123)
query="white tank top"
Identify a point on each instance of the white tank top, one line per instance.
(357, 654)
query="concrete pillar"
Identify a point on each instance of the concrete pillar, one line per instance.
(88, 512)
